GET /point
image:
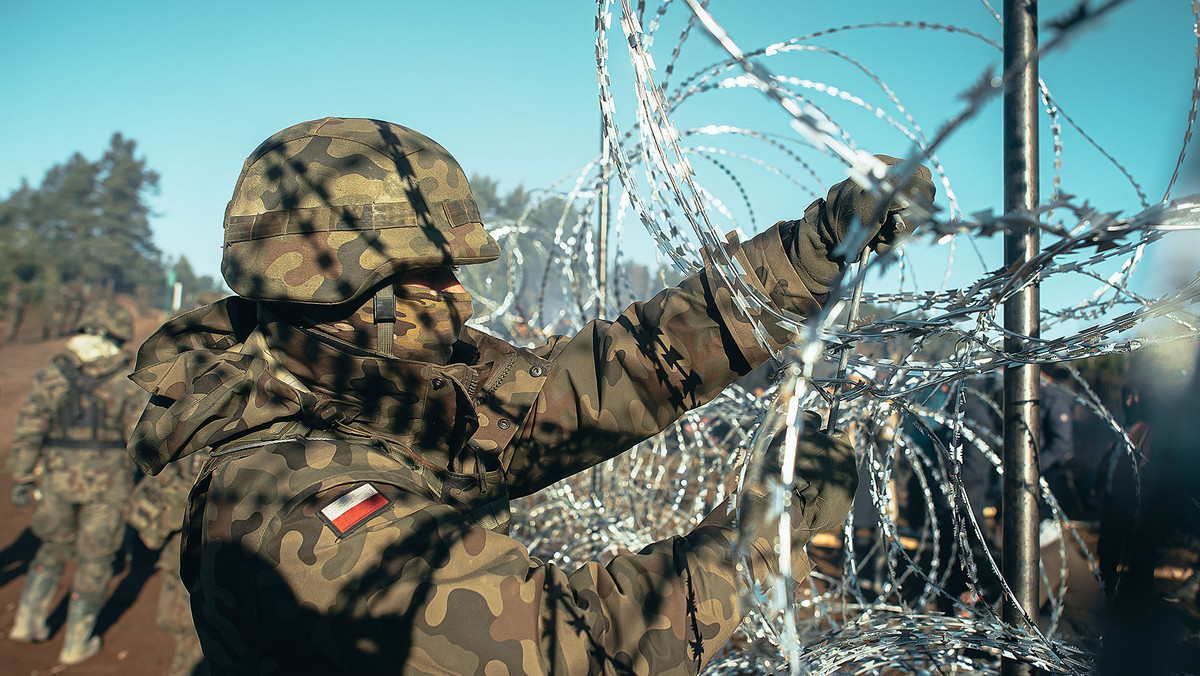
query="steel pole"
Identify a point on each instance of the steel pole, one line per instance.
(1022, 389)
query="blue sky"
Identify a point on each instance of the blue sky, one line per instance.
(510, 89)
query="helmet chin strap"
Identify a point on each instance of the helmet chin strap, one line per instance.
(384, 316)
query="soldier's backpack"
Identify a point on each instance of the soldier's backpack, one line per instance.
(156, 506)
(81, 414)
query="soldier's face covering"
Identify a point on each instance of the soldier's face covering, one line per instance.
(431, 309)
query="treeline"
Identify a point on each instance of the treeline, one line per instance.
(84, 231)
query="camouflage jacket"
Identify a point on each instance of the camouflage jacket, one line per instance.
(76, 419)
(353, 509)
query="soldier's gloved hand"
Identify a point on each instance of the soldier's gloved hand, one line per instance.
(826, 477)
(848, 200)
(22, 494)
(812, 241)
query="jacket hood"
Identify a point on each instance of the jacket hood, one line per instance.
(198, 374)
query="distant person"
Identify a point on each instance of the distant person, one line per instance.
(1121, 474)
(156, 510)
(73, 304)
(55, 306)
(16, 310)
(981, 414)
(934, 442)
(927, 438)
(75, 421)
(1057, 443)
(1151, 524)
(1058, 419)
(982, 418)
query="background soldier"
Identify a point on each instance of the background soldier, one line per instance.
(75, 421)
(1058, 419)
(73, 302)
(363, 443)
(155, 510)
(1057, 443)
(54, 307)
(16, 310)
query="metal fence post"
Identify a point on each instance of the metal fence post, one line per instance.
(1022, 389)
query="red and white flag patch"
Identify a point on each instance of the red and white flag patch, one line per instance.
(354, 508)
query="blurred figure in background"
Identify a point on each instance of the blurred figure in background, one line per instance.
(1058, 419)
(1119, 486)
(74, 423)
(1150, 535)
(981, 413)
(15, 309)
(155, 511)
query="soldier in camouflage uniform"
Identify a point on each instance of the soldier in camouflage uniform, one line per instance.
(54, 308)
(73, 306)
(362, 444)
(155, 510)
(75, 422)
(15, 309)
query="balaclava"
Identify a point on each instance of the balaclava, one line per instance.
(427, 322)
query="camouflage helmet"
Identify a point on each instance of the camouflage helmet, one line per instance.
(324, 211)
(111, 317)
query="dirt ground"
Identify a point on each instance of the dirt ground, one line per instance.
(133, 643)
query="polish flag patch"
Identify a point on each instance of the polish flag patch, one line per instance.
(353, 508)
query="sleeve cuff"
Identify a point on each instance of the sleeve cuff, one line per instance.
(769, 270)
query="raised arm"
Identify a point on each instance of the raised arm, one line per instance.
(617, 383)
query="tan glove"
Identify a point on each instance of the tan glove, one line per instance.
(22, 494)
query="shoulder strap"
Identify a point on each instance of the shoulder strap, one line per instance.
(80, 408)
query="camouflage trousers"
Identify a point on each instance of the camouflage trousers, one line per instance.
(175, 614)
(88, 533)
